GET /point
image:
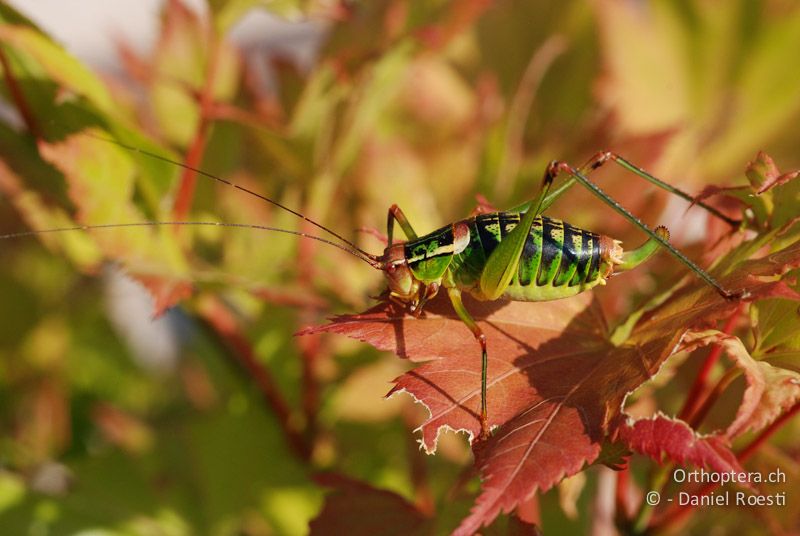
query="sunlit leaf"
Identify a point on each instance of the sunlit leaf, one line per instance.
(59, 65)
(227, 13)
(101, 181)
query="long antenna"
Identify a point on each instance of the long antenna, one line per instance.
(238, 187)
(369, 259)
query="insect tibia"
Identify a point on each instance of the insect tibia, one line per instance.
(632, 259)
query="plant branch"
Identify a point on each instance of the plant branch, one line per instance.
(194, 155)
(750, 449)
(19, 98)
(658, 480)
(698, 403)
(225, 327)
(310, 345)
(704, 406)
(621, 494)
(695, 397)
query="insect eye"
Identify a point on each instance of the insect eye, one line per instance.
(391, 268)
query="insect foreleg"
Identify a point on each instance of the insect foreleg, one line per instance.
(556, 167)
(463, 314)
(396, 214)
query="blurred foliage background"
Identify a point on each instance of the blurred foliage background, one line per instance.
(213, 418)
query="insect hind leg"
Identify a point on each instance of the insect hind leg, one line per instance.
(556, 167)
(602, 157)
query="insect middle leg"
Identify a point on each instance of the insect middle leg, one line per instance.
(455, 298)
(497, 274)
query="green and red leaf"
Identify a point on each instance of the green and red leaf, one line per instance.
(771, 390)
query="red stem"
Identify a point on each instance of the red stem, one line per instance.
(19, 98)
(621, 494)
(194, 155)
(220, 319)
(705, 406)
(310, 349)
(678, 513)
(700, 386)
(310, 345)
(750, 449)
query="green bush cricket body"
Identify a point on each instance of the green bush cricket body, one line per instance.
(522, 255)
(518, 255)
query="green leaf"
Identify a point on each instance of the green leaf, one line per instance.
(227, 13)
(58, 64)
(100, 178)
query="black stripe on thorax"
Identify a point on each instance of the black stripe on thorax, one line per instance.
(485, 223)
(435, 244)
(508, 222)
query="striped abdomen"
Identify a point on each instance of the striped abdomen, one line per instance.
(558, 260)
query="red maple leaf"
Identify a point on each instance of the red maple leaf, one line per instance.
(661, 437)
(556, 383)
(356, 508)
